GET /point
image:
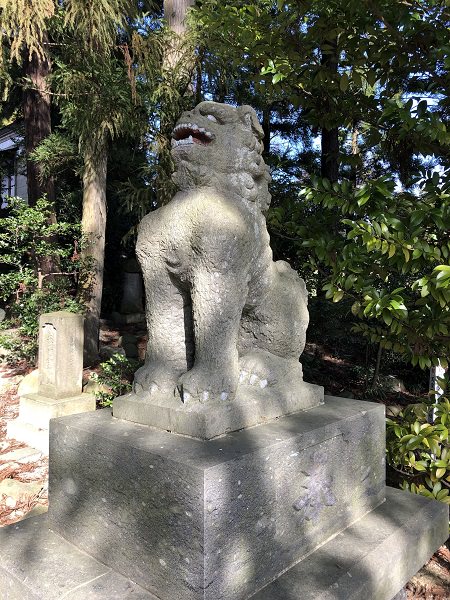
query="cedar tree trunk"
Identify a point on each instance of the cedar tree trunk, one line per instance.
(37, 125)
(93, 225)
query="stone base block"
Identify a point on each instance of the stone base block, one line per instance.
(35, 412)
(207, 421)
(28, 434)
(372, 559)
(214, 520)
(38, 409)
(37, 564)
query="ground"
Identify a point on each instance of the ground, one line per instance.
(24, 472)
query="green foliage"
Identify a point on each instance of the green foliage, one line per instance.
(390, 256)
(55, 154)
(116, 374)
(24, 24)
(418, 448)
(26, 238)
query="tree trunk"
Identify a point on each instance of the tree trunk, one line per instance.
(37, 123)
(329, 164)
(175, 16)
(376, 373)
(93, 225)
(355, 152)
(266, 125)
(178, 70)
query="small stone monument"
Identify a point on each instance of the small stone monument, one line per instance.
(132, 302)
(223, 475)
(60, 373)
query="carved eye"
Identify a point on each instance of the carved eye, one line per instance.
(211, 118)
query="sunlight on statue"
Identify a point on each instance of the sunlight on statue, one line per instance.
(222, 316)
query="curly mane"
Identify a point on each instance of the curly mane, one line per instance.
(244, 174)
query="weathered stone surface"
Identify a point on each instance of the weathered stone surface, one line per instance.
(38, 409)
(58, 380)
(395, 384)
(29, 384)
(35, 412)
(92, 387)
(133, 294)
(37, 564)
(213, 520)
(224, 320)
(373, 559)
(209, 420)
(60, 361)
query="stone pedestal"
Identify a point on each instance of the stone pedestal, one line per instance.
(60, 368)
(209, 420)
(220, 519)
(289, 510)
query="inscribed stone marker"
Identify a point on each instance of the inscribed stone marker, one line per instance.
(60, 355)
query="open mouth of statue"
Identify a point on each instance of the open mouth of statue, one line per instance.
(190, 133)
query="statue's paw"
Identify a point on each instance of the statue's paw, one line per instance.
(206, 386)
(153, 378)
(253, 379)
(260, 368)
(256, 369)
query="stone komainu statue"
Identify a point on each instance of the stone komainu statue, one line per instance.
(222, 315)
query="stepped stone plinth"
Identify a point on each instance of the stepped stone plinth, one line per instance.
(263, 513)
(60, 373)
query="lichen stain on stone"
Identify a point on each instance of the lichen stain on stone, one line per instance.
(318, 493)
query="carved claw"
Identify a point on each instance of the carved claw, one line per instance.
(204, 386)
(252, 379)
(153, 378)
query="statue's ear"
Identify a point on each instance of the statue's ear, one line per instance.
(249, 118)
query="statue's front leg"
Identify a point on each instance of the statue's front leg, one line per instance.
(170, 344)
(217, 303)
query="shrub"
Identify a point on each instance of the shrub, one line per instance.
(418, 448)
(27, 236)
(115, 374)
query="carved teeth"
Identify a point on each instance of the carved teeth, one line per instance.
(183, 142)
(189, 127)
